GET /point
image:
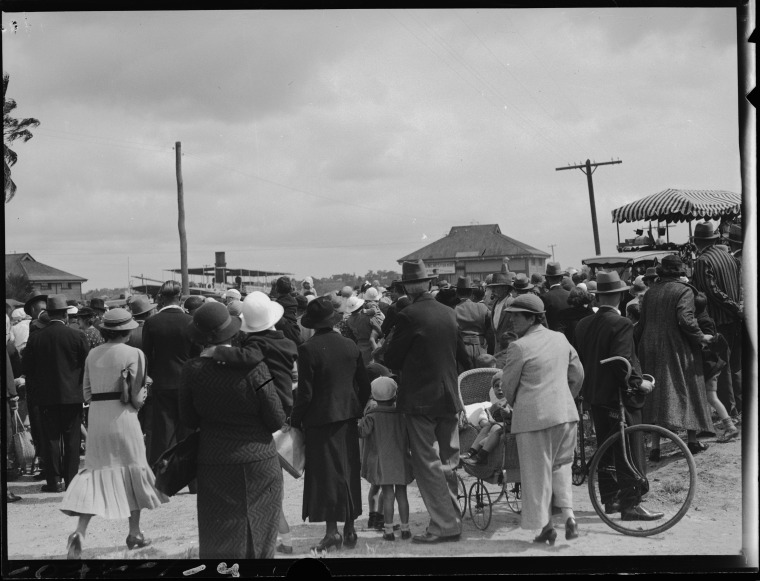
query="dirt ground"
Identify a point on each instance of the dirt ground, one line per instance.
(713, 525)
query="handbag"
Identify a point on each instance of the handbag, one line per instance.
(22, 443)
(291, 450)
(136, 399)
(178, 465)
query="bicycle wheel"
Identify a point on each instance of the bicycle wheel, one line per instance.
(461, 495)
(671, 482)
(480, 505)
(514, 496)
(579, 468)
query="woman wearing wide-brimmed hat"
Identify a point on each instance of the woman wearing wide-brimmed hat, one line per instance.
(333, 389)
(239, 479)
(670, 349)
(116, 481)
(542, 376)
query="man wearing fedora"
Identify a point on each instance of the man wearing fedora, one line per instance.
(53, 364)
(502, 296)
(425, 348)
(141, 308)
(472, 319)
(98, 305)
(717, 275)
(167, 346)
(34, 307)
(555, 298)
(602, 335)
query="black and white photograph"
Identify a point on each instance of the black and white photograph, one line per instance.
(379, 289)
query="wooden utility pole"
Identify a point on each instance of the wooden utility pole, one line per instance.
(586, 168)
(181, 220)
(552, 247)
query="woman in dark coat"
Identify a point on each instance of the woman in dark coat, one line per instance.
(580, 306)
(670, 349)
(239, 476)
(333, 389)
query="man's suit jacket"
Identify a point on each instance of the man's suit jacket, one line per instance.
(425, 348)
(542, 376)
(167, 346)
(332, 382)
(555, 300)
(53, 363)
(607, 334)
(493, 333)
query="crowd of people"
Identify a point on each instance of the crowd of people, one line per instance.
(370, 374)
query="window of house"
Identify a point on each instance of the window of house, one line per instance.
(65, 285)
(45, 286)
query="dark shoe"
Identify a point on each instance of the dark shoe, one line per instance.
(74, 547)
(696, 447)
(654, 455)
(571, 529)
(326, 543)
(406, 535)
(638, 512)
(39, 476)
(371, 520)
(287, 549)
(431, 539)
(479, 459)
(546, 536)
(56, 488)
(389, 537)
(612, 507)
(350, 538)
(137, 541)
(12, 497)
(379, 522)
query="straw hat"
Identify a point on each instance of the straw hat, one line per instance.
(118, 320)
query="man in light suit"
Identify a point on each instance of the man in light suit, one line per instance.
(503, 295)
(425, 347)
(608, 334)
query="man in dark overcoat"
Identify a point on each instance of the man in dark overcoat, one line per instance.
(503, 294)
(33, 307)
(53, 364)
(167, 346)
(425, 348)
(555, 299)
(716, 273)
(606, 334)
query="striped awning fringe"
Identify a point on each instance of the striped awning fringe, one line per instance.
(681, 206)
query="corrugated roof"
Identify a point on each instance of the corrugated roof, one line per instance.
(482, 240)
(36, 271)
(680, 206)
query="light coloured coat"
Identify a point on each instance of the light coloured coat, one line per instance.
(542, 376)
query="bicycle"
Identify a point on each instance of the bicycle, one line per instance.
(670, 491)
(586, 441)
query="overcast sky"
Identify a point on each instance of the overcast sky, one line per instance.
(322, 142)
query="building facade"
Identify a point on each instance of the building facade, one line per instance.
(477, 251)
(43, 278)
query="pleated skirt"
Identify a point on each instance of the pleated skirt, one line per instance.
(332, 481)
(239, 509)
(116, 478)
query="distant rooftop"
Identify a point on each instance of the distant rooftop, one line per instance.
(24, 263)
(478, 240)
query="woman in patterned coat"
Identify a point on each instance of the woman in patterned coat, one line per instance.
(239, 476)
(670, 349)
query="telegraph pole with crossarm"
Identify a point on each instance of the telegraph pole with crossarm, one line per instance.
(586, 168)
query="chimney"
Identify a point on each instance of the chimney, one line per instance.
(220, 268)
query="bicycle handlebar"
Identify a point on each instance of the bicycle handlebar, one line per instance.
(624, 360)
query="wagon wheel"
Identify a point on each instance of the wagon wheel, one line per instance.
(480, 505)
(514, 496)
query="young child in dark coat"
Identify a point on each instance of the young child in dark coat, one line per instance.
(714, 357)
(387, 462)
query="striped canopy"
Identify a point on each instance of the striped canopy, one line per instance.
(681, 206)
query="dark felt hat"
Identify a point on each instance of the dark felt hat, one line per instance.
(85, 312)
(522, 282)
(609, 282)
(414, 271)
(56, 303)
(705, 231)
(671, 266)
(141, 304)
(35, 299)
(212, 324)
(554, 269)
(503, 279)
(651, 273)
(735, 233)
(98, 304)
(320, 313)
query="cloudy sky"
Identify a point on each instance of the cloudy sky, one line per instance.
(322, 142)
